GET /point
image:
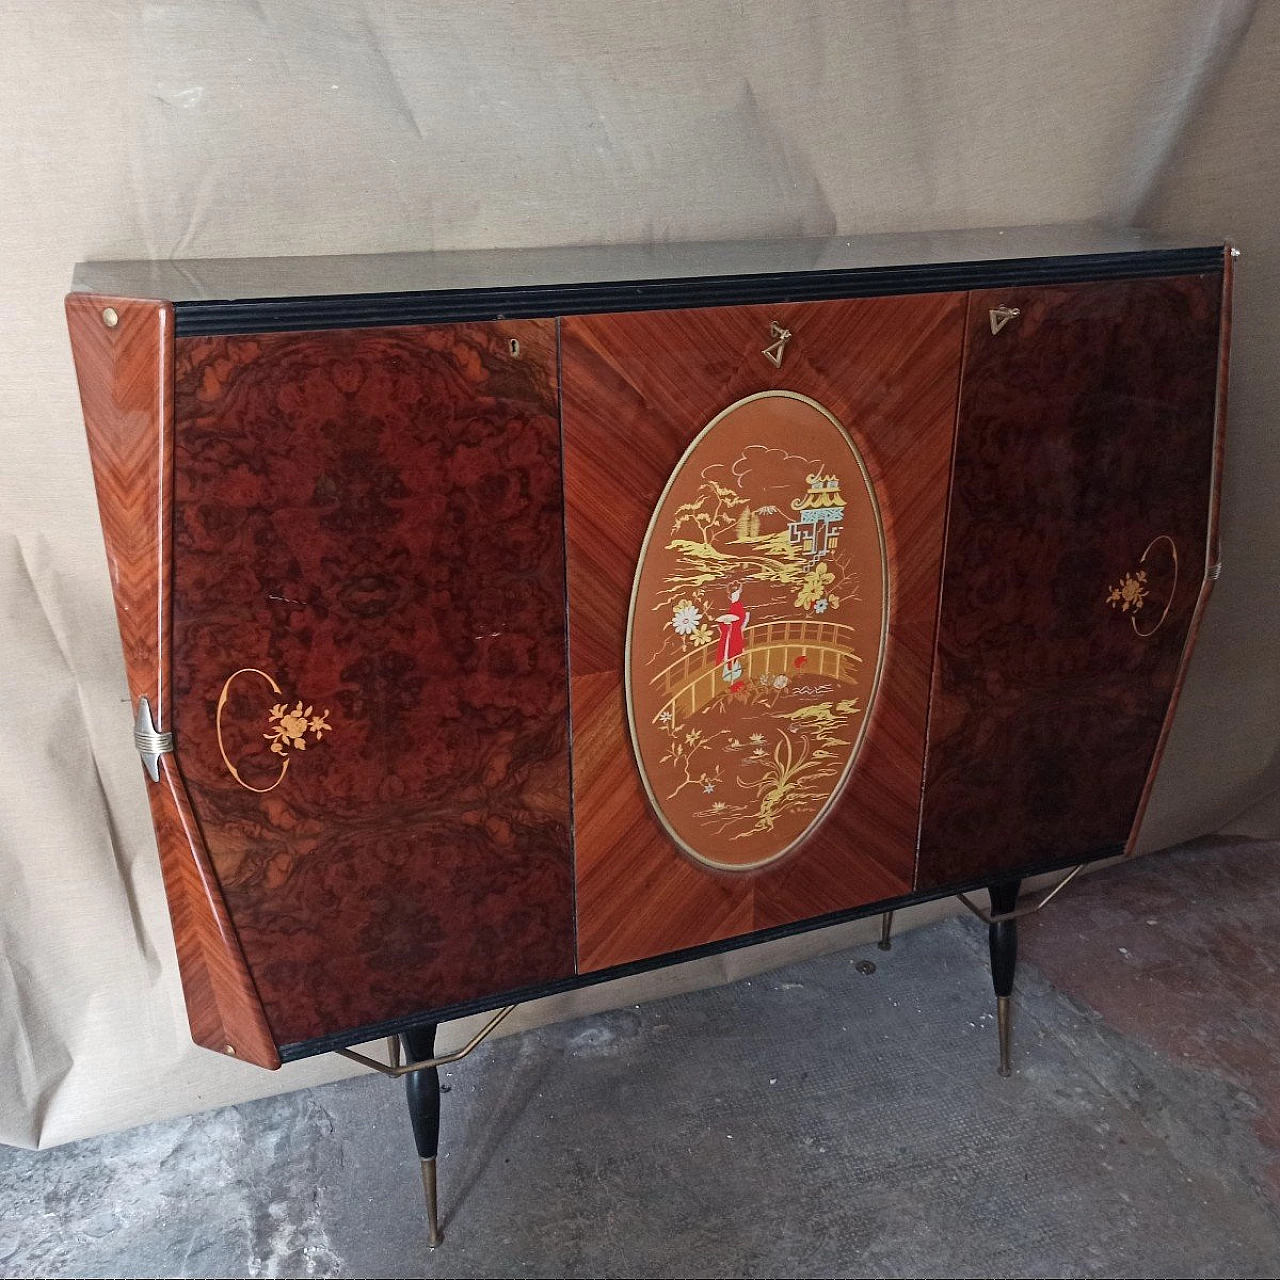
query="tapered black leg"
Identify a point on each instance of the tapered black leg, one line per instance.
(422, 1092)
(1003, 940)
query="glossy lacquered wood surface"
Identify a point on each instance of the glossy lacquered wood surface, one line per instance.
(756, 625)
(1212, 563)
(368, 529)
(125, 372)
(637, 389)
(1085, 441)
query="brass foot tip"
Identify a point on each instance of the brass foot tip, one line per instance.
(435, 1237)
(1003, 1023)
(886, 932)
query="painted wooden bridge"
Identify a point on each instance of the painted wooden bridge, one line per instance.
(689, 683)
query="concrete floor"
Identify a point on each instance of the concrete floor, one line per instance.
(816, 1121)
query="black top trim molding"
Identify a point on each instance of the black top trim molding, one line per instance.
(205, 317)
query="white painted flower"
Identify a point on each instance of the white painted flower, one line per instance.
(781, 682)
(708, 787)
(664, 717)
(685, 619)
(719, 807)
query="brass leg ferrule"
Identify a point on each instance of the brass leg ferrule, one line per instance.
(1006, 1039)
(886, 931)
(434, 1238)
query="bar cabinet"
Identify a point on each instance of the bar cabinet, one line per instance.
(499, 623)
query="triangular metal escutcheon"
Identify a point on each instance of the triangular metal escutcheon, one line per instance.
(1000, 316)
(773, 352)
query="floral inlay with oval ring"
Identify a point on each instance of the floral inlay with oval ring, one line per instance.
(287, 728)
(1131, 593)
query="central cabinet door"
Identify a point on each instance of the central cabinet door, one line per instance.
(754, 516)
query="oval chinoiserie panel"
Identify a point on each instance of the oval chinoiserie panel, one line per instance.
(757, 631)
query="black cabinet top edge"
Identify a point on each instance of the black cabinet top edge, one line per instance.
(269, 295)
(575, 982)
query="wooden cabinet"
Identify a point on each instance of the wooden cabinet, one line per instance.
(499, 623)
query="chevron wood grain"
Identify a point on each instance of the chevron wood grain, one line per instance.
(125, 375)
(637, 389)
(1213, 549)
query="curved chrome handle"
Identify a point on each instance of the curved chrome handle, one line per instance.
(151, 743)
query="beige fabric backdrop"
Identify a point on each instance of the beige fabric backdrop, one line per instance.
(243, 127)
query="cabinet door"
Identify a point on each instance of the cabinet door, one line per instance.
(1076, 550)
(753, 559)
(370, 693)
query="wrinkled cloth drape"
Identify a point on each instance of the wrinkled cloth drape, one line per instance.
(262, 127)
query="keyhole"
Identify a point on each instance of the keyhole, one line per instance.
(515, 347)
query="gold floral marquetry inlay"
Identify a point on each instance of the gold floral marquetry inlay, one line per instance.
(1133, 591)
(287, 728)
(292, 727)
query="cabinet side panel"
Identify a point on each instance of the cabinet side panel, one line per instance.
(1075, 557)
(639, 389)
(369, 661)
(125, 373)
(1212, 558)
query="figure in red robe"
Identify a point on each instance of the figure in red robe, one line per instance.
(733, 622)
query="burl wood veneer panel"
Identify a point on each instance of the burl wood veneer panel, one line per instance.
(1076, 550)
(370, 693)
(125, 373)
(638, 389)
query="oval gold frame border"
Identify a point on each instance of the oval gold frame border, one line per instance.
(885, 583)
(222, 702)
(1173, 590)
